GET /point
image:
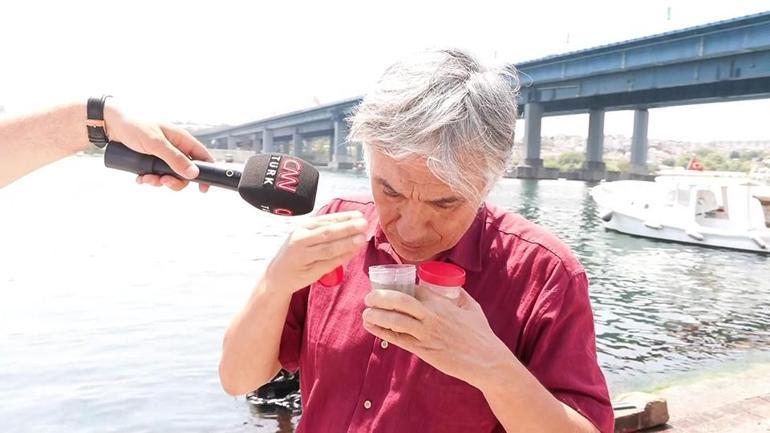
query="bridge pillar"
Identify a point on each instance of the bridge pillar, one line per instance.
(231, 142)
(339, 154)
(532, 165)
(255, 143)
(297, 140)
(593, 167)
(533, 121)
(267, 141)
(639, 142)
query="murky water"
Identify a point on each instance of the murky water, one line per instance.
(114, 298)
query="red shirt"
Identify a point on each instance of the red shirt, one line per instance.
(534, 294)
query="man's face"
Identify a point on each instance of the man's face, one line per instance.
(420, 215)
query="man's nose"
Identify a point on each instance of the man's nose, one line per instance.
(412, 224)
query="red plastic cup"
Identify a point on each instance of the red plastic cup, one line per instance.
(333, 278)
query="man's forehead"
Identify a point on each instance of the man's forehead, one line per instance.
(411, 172)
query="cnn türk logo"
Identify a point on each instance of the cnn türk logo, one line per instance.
(282, 173)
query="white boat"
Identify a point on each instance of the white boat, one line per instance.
(718, 209)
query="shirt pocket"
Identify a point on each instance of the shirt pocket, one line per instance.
(335, 333)
(455, 407)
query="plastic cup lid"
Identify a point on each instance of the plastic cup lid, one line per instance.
(392, 274)
(441, 274)
(333, 278)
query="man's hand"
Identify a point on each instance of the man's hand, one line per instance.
(315, 248)
(454, 338)
(170, 143)
(252, 343)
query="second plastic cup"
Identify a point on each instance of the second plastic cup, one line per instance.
(443, 278)
(393, 277)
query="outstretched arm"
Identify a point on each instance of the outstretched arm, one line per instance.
(31, 141)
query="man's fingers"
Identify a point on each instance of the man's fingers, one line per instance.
(174, 183)
(425, 294)
(465, 301)
(339, 247)
(326, 219)
(396, 301)
(149, 179)
(325, 266)
(395, 321)
(335, 231)
(331, 232)
(404, 341)
(168, 181)
(203, 187)
(184, 141)
(178, 161)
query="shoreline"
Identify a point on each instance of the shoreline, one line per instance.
(726, 402)
(731, 399)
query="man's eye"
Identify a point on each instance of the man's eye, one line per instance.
(390, 193)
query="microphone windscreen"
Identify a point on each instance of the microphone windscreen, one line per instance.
(279, 184)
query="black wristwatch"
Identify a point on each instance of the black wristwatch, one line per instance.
(95, 121)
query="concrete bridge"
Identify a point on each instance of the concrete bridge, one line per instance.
(288, 133)
(721, 61)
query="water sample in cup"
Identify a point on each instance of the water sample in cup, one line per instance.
(400, 278)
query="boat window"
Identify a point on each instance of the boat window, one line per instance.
(709, 205)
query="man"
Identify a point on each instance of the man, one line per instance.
(32, 141)
(517, 354)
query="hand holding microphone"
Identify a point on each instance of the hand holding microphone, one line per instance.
(169, 142)
(275, 183)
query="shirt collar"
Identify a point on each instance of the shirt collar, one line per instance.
(466, 253)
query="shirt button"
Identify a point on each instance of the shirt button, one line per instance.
(367, 404)
(384, 344)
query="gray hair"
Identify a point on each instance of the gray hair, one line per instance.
(444, 106)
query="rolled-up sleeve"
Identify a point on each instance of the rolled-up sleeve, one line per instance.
(563, 349)
(291, 338)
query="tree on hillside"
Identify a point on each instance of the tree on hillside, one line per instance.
(571, 161)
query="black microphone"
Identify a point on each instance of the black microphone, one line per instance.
(272, 182)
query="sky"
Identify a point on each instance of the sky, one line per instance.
(238, 61)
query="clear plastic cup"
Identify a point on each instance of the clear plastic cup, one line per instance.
(442, 278)
(400, 278)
